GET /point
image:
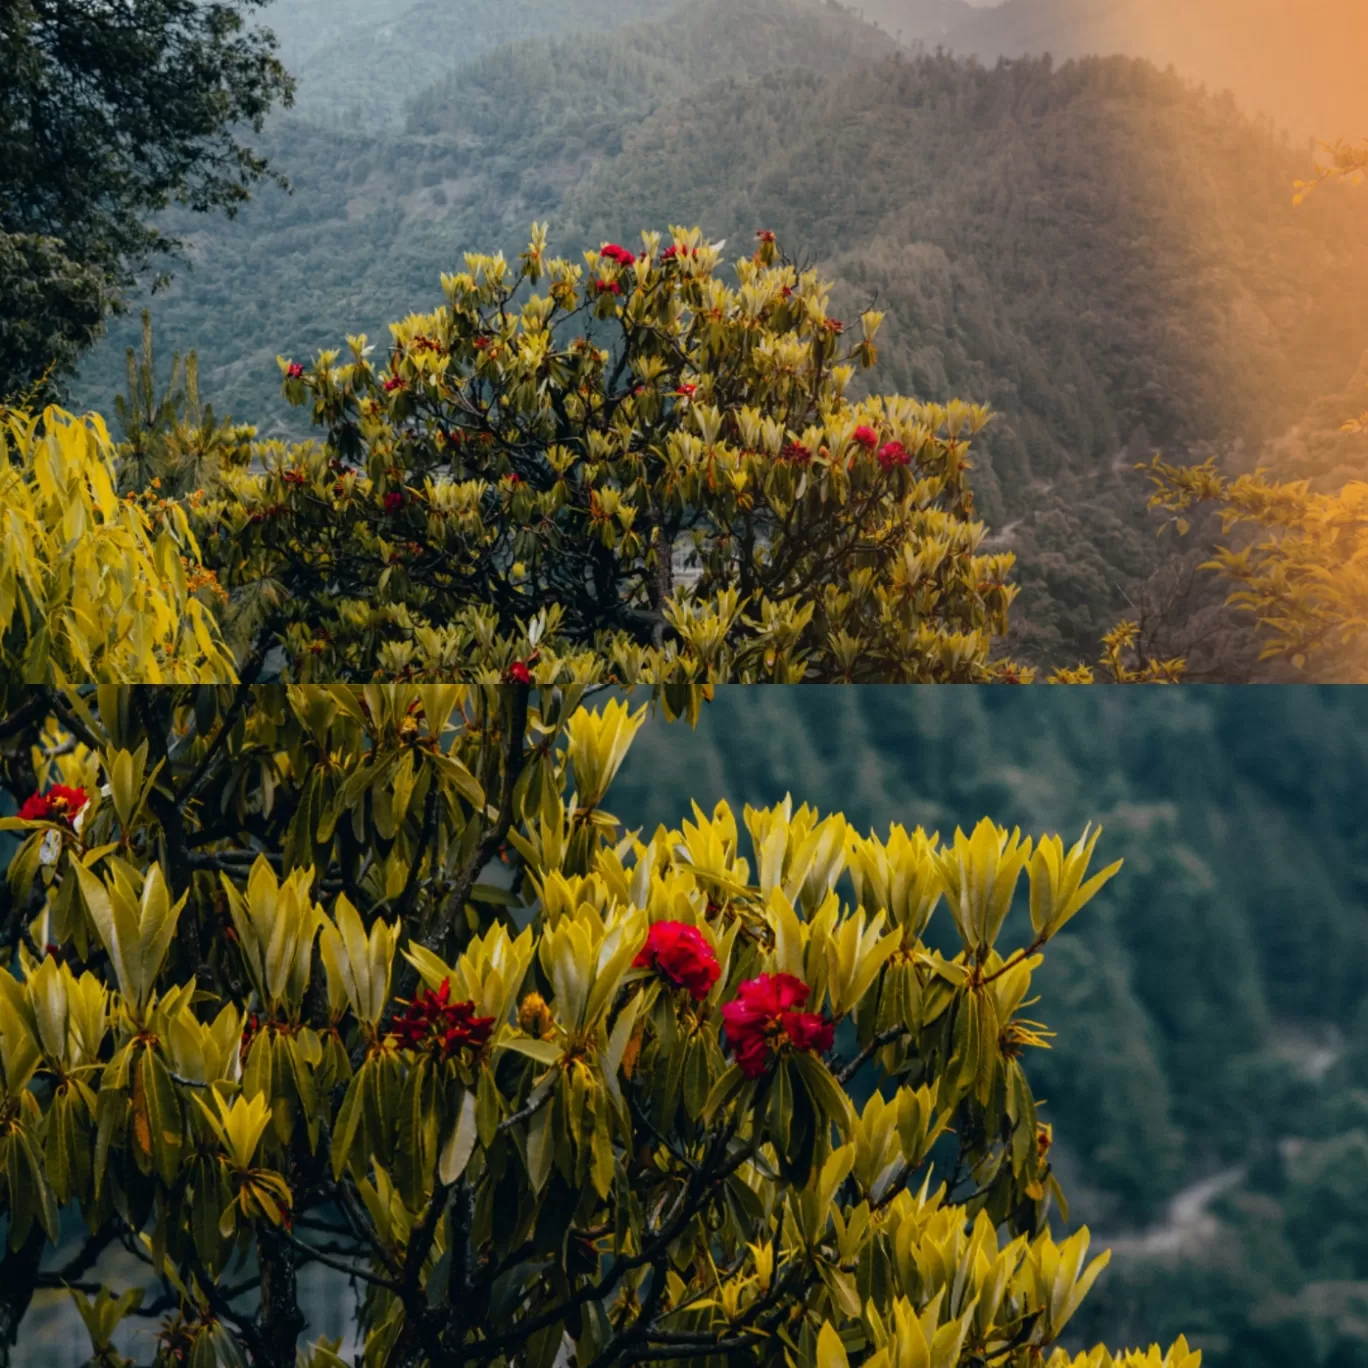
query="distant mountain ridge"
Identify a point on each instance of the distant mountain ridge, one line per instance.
(1298, 61)
(925, 21)
(364, 60)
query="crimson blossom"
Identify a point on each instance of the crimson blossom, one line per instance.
(680, 954)
(433, 1023)
(57, 804)
(763, 1017)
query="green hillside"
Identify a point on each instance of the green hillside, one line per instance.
(361, 63)
(1227, 1035)
(1100, 251)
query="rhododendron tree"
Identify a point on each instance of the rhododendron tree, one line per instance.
(646, 465)
(368, 984)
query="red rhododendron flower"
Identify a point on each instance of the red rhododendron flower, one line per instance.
(607, 287)
(519, 673)
(432, 1022)
(808, 1031)
(393, 383)
(796, 451)
(866, 436)
(295, 370)
(57, 803)
(763, 1016)
(619, 254)
(765, 235)
(687, 391)
(394, 501)
(893, 454)
(680, 953)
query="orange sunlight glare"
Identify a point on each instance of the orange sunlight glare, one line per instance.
(1305, 62)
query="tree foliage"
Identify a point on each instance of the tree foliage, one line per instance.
(627, 469)
(95, 586)
(1346, 161)
(107, 115)
(369, 978)
(1301, 567)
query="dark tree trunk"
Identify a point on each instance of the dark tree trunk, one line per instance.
(18, 1278)
(280, 1320)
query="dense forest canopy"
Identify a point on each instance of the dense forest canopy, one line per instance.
(1099, 251)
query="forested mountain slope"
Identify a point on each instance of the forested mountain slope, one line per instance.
(375, 219)
(1101, 252)
(1299, 61)
(361, 64)
(1212, 1006)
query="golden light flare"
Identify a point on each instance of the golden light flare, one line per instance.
(1300, 61)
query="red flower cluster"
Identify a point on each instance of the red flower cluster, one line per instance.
(607, 287)
(519, 673)
(674, 251)
(796, 452)
(250, 1029)
(619, 254)
(687, 391)
(57, 804)
(392, 384)
(893, 454)
(294, 371)
(762, 1017)
(765, 235)
(866, 436)
(680, 953)
(433, 1022)
(394, 500)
